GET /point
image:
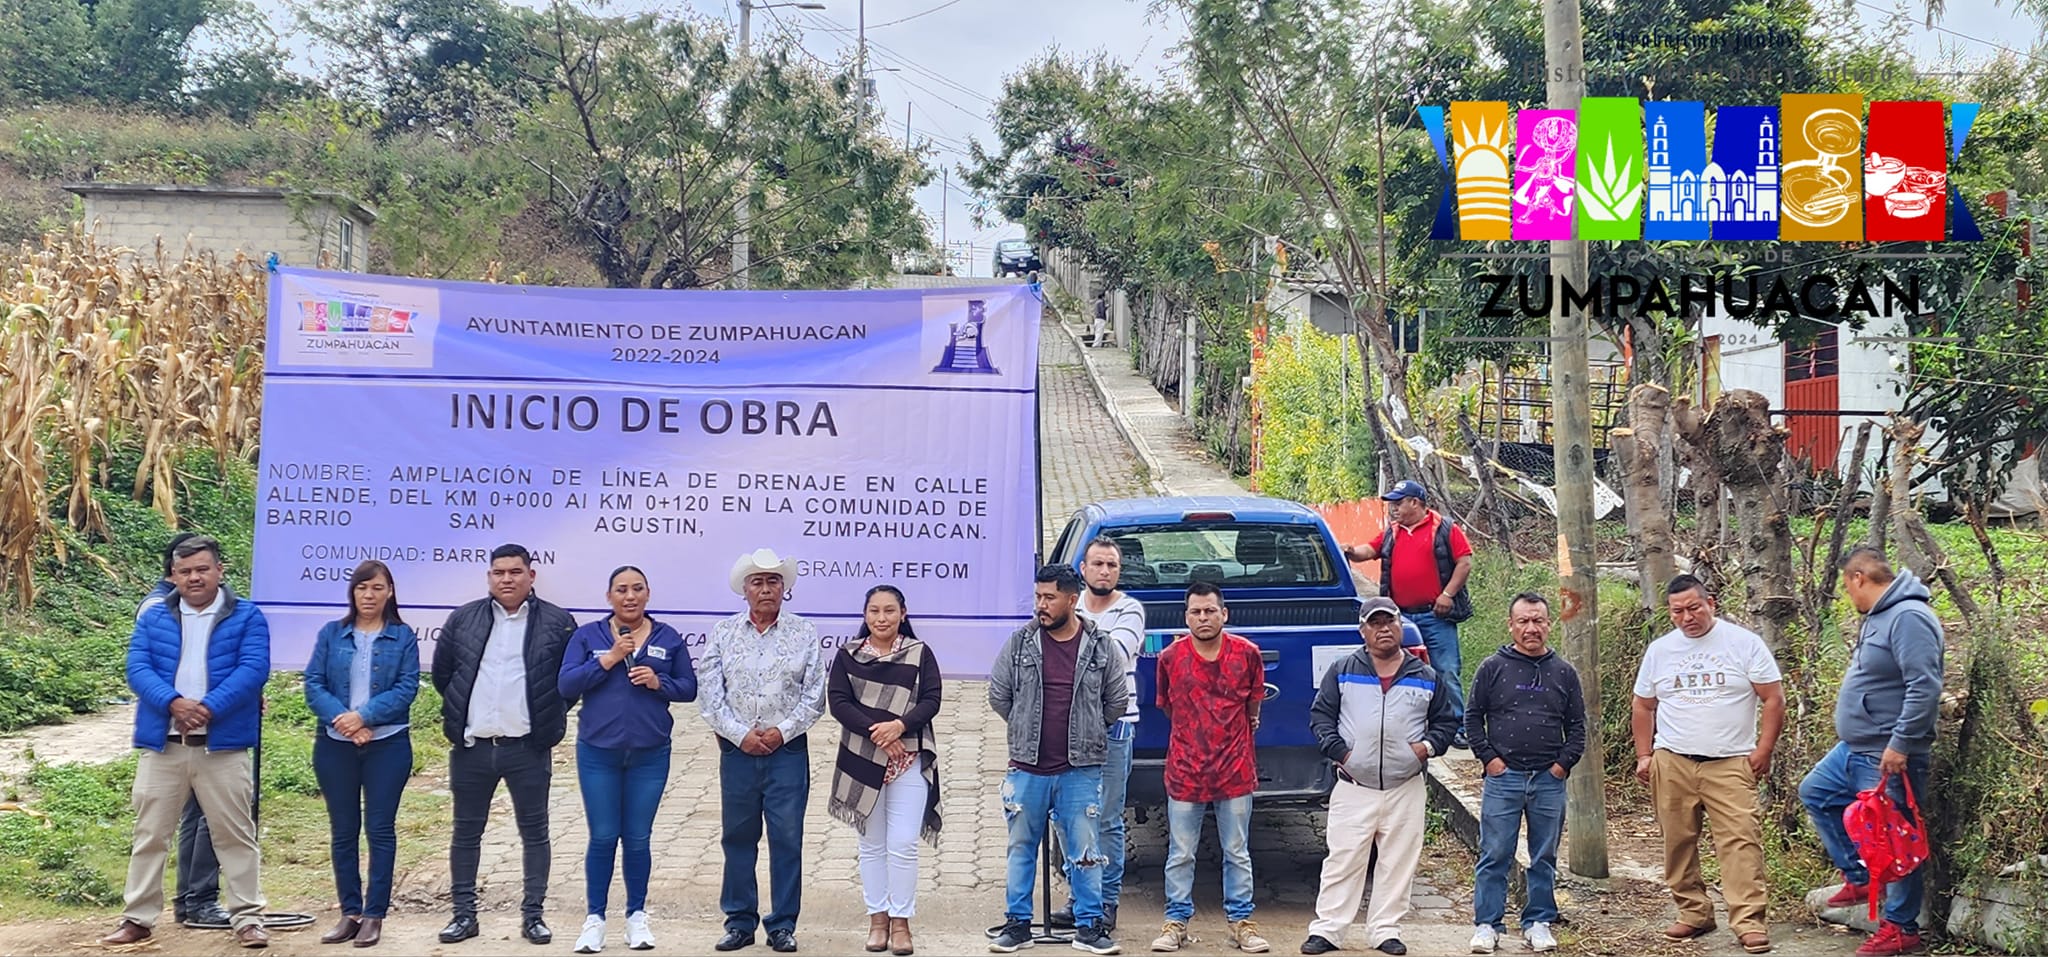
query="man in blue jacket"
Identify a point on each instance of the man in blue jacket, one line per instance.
(197, 665)
(197, 902)
(1884, 720)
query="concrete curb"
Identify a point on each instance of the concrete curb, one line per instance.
(1155, 472)
(1461, 805)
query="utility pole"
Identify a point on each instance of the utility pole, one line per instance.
(861, 59)
(945, 208)
(743, 213)
(906, 126)
(1572, 445)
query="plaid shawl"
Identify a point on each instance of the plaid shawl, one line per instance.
(858, 771)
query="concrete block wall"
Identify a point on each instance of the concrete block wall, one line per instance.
(253, 225)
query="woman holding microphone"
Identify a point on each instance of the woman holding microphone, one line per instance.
(628, 669)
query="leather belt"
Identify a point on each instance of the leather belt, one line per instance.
(190, 740)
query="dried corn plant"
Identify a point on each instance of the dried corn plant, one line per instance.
(107, 348)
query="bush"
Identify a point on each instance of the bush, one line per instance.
(1314, 446)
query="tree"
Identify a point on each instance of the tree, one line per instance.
(61, 38)
(432, 65)
(141, 47)
(646, 126)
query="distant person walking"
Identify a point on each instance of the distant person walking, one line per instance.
(1210, 684)
(197, 665)
(1698, 695)
(629, 671)
(1527, 723)
(496, 666)
(884, 690)
(1425, 561)
(1885, 717)
(360, 683)
(1379, 715)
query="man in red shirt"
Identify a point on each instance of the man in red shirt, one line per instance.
(1424, 581)
(1210, 686)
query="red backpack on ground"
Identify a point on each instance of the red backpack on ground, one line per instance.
(1891, 845)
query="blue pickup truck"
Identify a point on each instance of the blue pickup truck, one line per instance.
(1288, 589)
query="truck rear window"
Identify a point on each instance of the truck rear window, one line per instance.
(1232, 555)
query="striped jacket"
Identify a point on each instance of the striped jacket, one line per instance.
(1366, 732)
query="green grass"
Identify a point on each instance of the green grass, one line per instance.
(70, 857)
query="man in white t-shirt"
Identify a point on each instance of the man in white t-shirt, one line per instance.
(1121, 619)
(1699, 749)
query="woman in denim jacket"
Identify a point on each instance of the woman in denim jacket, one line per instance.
(361, 681)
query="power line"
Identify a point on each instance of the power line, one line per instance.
(1895, 15)
(891, 23)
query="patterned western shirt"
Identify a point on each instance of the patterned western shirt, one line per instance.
(748, 678)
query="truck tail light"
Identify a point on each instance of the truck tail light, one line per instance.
(1208, 517)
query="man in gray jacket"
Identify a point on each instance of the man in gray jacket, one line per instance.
(1884, 718)
(1379, 715)
(1058, 683)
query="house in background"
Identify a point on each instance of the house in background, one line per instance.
(320, 229)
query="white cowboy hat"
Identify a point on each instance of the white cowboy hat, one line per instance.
(762, 560)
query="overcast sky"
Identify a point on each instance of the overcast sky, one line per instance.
(950, 58)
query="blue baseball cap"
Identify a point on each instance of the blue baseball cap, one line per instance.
(1406, 489)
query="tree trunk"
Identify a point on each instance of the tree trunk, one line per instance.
(1649, 413)
(1489, 503)
(1917, 549)
(1705, 481)
(1973, 510)
(1738, 441)
(1842, 513)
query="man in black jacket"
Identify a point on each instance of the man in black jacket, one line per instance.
(496, 665)
(1526, 720)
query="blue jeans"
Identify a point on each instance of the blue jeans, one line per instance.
(1116, 777)
(1508, 799)
(1184, 837)
(1441, 638)
(772, 787)
(1073, 801)
(361, 786)
(621, 791)
(1830, 788)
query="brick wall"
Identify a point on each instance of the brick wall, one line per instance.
(226, 224)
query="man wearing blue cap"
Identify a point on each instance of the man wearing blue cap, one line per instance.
(1424, 561)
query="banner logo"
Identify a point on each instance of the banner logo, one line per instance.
(1814, 167)
(967, 345)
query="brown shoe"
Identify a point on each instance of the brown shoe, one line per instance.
(1684, 931)
(345, 930)
(899, 937)
(371, 932)
(129, 932)
(1755, 942)
(878, 932)
(252, 936)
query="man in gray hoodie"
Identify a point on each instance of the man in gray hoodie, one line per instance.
(1884, 718)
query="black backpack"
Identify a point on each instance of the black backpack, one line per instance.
(1461, 602)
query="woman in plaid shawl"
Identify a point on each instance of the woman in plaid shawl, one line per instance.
(884, 690)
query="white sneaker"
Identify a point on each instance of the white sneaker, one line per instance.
(1539, 937)
(639, 936)
(1484, 939)
(592, 939)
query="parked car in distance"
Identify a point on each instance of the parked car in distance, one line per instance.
(1288, 590)
(1015, 256)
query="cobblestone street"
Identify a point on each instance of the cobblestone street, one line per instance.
(1085, 459)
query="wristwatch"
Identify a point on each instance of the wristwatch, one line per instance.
(1429, 746)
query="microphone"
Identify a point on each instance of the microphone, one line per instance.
(624, 630)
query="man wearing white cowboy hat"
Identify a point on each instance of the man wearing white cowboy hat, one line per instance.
(761, 685)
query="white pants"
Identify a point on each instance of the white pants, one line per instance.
(888, 848)
(1359, 818)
